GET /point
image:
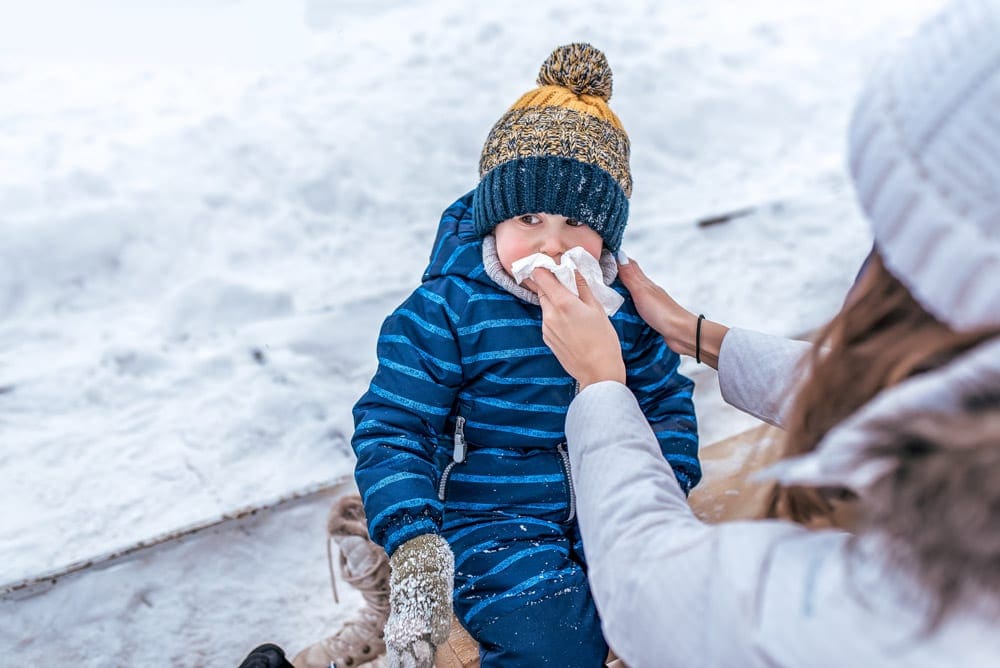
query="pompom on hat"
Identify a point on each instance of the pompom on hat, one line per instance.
(925, 160)
(559, 149)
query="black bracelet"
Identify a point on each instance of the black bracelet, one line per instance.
(697, 339)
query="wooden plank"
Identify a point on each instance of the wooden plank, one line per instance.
(32, 585)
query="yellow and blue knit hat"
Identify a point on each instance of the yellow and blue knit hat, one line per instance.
(560, 150)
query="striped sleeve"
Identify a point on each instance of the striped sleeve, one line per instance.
(665, 397)
(398, 421)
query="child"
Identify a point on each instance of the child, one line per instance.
(459, 439)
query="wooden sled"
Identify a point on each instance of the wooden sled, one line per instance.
(726, 491)
(729, 491)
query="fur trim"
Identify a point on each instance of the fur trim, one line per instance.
(938, 505)
(841, 459)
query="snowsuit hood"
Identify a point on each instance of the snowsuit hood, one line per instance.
(457, 249)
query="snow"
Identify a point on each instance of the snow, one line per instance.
(205, 601)
(206, 209)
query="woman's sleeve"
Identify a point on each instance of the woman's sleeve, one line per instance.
(670, 589)
(758, 372)
(638, 531)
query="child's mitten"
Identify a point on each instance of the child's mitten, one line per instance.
(420, 587)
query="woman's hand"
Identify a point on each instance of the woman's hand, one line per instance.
(577, 330)
(658, 309)
(676, 325)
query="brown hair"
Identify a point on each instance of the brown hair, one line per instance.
(881, 337)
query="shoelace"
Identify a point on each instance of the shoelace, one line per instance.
(329, 561)
(354, 638)
(353, 579)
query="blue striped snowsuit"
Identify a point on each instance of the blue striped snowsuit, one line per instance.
(462, 350)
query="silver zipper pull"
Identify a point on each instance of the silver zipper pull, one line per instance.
(460, 446)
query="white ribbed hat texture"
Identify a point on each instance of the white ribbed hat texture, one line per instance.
(925, 159)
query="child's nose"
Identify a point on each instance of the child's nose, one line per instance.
(553, 245)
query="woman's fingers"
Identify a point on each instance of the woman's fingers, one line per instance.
(678, 326)
(666, 316)
(544, 283)
(635, 278)
(586, 294)
(578, 332)
(547, 285)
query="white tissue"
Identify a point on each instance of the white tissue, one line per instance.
(574, 259)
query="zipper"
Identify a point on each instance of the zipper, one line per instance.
(461, 448)
(564, 456)
(444, 479)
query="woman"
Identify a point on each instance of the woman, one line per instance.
(898, 402)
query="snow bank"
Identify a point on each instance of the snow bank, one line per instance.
(206, 210)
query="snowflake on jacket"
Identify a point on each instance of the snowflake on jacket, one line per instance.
(461, 345)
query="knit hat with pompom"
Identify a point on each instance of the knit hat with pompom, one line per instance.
(925, 158)
(559, 150)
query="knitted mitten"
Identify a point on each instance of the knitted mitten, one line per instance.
(423, 574)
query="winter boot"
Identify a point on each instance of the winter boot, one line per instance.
(364, 565)
(266, 656)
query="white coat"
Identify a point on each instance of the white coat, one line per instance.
(673, 591)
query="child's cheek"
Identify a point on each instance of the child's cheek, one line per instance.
(593, 243)
(510, 249)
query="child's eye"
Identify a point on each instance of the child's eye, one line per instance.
(573, 222)
(530, 219)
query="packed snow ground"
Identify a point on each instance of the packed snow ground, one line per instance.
(207, 208)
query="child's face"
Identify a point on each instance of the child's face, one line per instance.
(547, 233)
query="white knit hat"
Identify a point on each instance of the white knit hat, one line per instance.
(925, 157)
